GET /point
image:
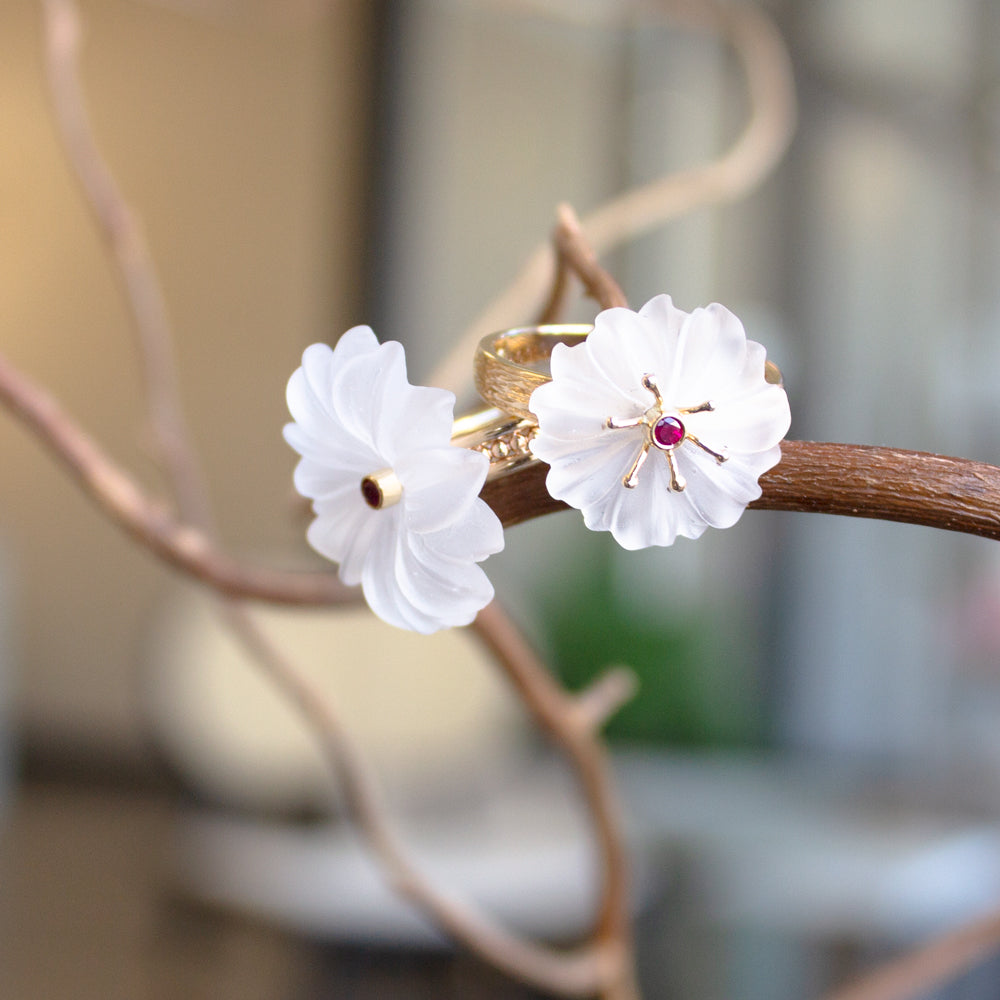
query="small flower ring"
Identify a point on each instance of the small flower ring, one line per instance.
(687, 386)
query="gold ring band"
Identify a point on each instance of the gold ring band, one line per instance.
(504, 439)
(512, 364)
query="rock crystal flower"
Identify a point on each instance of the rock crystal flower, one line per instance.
(396, 504)
(660, 423)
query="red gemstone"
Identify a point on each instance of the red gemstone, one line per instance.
(668, 432)
(371, 493)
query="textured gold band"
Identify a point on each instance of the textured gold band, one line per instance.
(512, 364)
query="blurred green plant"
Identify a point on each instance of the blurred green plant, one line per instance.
(698, 672)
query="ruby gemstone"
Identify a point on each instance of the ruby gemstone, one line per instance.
(668, 432)
(371, 493)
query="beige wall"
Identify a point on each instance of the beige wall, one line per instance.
(240, 143)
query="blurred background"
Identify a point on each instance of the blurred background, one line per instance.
(812, 766)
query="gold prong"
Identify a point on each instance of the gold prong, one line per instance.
(718, 456)
(707, 407)
(649, 382)
(616, 425)
(631, 479)
(677, 483)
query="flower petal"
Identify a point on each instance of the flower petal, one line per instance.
(382, 592)
(712, 346)
(308, 398)
(439, 485)
(417, 418)
(650, 514)
(573, 368)
(357, 385)
(625, 346)
(665, 316)
(354, 343)
(336, 451)
(450, 593)
(716, 494)
(474, 536)
(321, 481)
(584, 476)
(750, 424)
(344, 536)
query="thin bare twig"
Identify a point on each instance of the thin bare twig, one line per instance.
(151, 522)
(596, 704)
(578, 255)
(929, 967)
(557, 714)
(551, 311)
(574, 255)
(153, 526)
(123, 236)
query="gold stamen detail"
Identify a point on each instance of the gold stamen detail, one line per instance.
(718, 456)
(677, 483)
(631, 479)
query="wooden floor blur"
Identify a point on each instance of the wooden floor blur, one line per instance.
(87, 914)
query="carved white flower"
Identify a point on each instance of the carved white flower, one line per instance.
(660, 423)
(396, 504)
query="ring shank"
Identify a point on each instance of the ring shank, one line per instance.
(511, 365)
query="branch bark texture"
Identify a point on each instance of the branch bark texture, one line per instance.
(889, 484)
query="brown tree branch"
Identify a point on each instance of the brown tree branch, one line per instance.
(577, 973)
(552, 310)
(889, 484)
(853, 480)
(598, 702)
(151, 522)
(929, 967)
